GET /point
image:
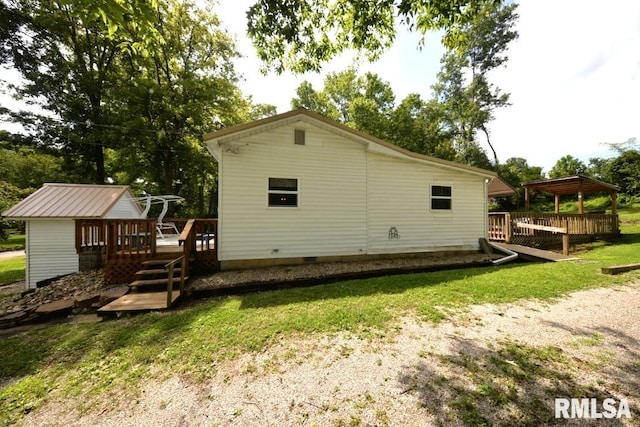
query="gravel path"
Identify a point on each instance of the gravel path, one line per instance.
(499, 364)
(11, 254)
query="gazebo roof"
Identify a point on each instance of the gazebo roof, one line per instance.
(571, 185)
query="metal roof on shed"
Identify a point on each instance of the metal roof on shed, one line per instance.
(69, 201)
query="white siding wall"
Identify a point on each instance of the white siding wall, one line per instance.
(399, 196)
(124, 208)
(50, 249)
(331, 212)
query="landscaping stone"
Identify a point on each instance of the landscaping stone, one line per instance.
(75, 292)
(11, 320)
(56, 307)
(86, 300)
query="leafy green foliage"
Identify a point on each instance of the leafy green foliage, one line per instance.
(567, 166)
(463, 88)
(301, 35)
(625, 172)
(186, 88)
(367, 103)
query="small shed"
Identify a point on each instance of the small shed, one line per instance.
(50, 215)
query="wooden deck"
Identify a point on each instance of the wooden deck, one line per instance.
(143, 301)
(546, 230)
(533, 254)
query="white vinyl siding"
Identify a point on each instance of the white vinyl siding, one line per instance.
(124, 208)
(329, 219)
(51, 249)
(399, 198)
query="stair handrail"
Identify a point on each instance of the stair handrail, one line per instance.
(170, 266)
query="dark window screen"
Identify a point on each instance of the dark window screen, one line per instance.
(283, 199)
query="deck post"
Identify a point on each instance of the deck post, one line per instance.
(170, 286)
(565, 237)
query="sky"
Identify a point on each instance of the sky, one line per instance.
(573, 75)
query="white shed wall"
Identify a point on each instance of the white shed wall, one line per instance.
(399, 196)
(125, 207)
(329, 219)
(50, 249)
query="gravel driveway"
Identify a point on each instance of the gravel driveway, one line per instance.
(492, 364)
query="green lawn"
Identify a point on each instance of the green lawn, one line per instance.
(12, 269)
(82, 362)
(14, 242)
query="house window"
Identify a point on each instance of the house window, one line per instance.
(299, 137)
(283, 192)
(440, 197)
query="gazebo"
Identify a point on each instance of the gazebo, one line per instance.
(578, 184)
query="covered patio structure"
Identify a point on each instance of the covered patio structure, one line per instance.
(547, 230)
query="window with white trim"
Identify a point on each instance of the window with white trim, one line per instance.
(440, 197)
(283, 192)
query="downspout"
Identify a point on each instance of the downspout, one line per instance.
(511, 256)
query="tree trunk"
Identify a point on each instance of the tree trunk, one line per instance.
(98, 155)
(495, 156)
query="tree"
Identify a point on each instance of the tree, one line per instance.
(301, 35)
(567, 166)
(67, 55)
(600, 168)
(185, 88)
(463, 87)
(367, 103)
(516, 171)
(625, 172)
(362, 102)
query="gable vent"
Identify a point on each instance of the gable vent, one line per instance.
(299, 137)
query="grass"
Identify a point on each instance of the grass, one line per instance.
(12, 269)
(88, 363)
(14, 242)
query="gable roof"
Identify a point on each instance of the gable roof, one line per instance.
(318, 119)
(69, 201)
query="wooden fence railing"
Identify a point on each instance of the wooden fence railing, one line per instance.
(117, 237)
(503, 226)
(199, 238)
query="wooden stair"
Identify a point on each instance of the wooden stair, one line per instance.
(145, 297)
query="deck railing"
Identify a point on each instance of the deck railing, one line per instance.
(503, 226)
(117, 237)
(199, 238)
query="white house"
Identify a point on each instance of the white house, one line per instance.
(50, 215)
(299, 187)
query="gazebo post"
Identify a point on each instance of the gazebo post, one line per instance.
(580, 198)
(526, 199)
(557, 200)
(614, 203)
